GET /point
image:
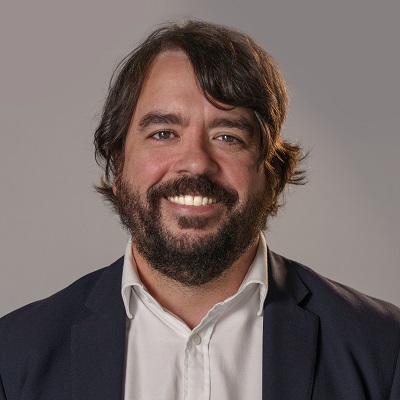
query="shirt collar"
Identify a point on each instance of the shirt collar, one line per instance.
(130, 277)
(256, 274)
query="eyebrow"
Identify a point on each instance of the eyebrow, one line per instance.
(156, 118)
(240, 123)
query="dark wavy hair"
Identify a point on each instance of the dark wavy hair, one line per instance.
(231, 69)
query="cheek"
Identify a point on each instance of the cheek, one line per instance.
(144, 170)
(245, 177)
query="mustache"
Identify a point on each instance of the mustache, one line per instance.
(202, 185)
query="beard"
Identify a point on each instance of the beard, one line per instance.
(192, 260)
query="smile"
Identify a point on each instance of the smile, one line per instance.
(189, 200)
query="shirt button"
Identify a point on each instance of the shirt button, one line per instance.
(196, 339)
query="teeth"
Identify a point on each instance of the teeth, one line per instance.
(197, 200)
(189, 200)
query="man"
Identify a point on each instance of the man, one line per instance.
(199, 307)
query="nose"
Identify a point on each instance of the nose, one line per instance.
(195, 157)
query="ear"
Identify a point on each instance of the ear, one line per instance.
(114, 187)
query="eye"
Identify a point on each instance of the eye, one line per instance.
(162, 135)
(229, 139)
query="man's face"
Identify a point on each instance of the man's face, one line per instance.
(190, 191)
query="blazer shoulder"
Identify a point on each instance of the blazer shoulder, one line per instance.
(36, 340)
(358, 341)
(328, 296)
(59, 308)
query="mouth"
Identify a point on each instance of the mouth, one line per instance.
(190, 200)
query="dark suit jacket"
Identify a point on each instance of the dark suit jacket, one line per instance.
(322, 341)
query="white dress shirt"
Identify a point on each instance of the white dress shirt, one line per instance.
(220, 359)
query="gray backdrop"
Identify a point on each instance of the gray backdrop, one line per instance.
(341, 61)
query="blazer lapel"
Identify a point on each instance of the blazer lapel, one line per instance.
(290, 335)
(98, 341)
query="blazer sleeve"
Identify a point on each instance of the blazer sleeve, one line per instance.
(395, 392)
(2, 394)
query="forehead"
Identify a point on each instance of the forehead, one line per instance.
(169, 62)
(170, 73)
(171, 85)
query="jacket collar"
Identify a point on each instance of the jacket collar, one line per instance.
(290, 334)
(98, 340)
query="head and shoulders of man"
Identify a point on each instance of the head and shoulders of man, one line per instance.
(195, 164)
(201, 162)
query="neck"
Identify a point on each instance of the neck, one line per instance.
(192, 303)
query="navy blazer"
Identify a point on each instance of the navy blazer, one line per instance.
(322, 340)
